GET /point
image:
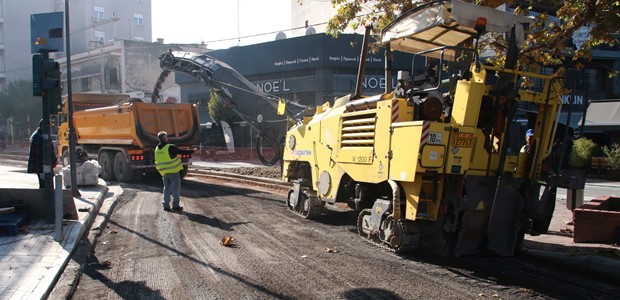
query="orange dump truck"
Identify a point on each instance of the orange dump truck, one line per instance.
(121, 132)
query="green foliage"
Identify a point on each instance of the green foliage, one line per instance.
(219, 110)
(598, 151)
(581, 153)
(613, 156)
(17, 101)
(546, 42)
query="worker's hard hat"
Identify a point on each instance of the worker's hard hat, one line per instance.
(529, 132)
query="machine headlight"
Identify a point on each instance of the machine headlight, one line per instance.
(291, 142)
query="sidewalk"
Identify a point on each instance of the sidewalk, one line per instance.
(32, 261)
(557, 246)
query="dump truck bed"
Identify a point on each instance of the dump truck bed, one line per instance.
(137, 124)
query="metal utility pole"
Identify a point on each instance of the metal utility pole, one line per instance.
(74, 189)
(48, 193)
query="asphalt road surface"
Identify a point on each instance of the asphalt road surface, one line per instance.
(146, 253)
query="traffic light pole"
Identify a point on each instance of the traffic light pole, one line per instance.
(48, 193)
(72, 138)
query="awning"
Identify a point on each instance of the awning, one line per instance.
(446, 23)
(603, 114)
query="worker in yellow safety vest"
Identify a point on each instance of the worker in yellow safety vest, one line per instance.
(169, 165)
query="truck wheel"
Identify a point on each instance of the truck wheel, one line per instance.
(122, 168)
(183, 172)
(106, 161)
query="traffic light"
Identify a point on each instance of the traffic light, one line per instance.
(45, 75)
(36, 75)
(46, 81)
(55, 99)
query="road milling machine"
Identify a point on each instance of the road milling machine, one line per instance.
(432, 165)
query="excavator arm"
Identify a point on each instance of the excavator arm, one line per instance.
(254, 106)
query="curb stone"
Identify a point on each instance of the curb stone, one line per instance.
(69, 279)
(594, 264)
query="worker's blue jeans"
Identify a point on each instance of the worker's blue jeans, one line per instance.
(172, 187)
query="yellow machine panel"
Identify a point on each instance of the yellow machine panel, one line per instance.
(422, 198)
(465, 112)
(405, 142)
(459, 150)
(357, 138)
(432, 156)
(382, 140)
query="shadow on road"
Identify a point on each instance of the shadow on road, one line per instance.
(254, 285)
(213, 222)
(369, 293)
(125, 289)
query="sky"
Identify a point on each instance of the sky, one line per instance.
(212, 21)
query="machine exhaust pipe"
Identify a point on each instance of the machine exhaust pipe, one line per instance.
(395, 199)
(362, 65)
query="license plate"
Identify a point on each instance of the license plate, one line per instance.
(462, 139)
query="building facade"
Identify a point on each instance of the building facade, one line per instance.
(310, 69)
(123, 66)
(311, 16)
(93, 22)
(120, 66)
